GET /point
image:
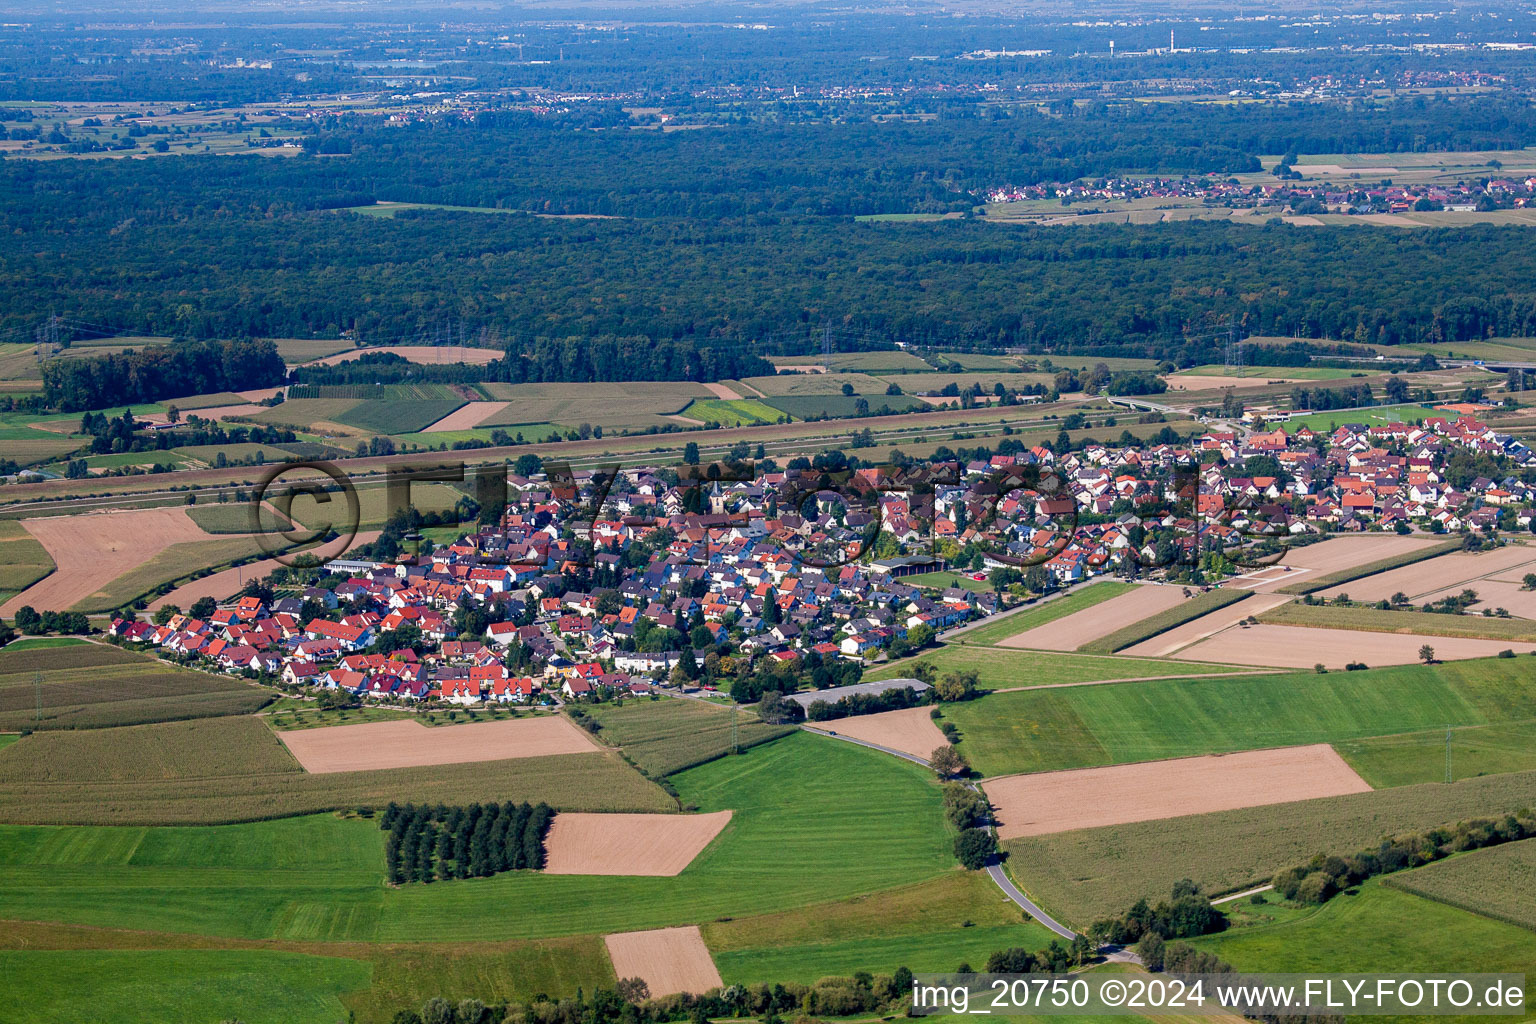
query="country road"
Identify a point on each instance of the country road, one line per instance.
(995, 869)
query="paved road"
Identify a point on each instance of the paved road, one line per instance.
(995, 870)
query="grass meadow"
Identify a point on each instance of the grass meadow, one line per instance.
(808, 809)
(1039, 615)
(1498, 882)
(154, 986)
(1406, 759)
(930, 926)
(1380, 930)
(1081, 726)
(1089, 873)
(1000, 668)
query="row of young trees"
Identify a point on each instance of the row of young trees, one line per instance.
(463, 842)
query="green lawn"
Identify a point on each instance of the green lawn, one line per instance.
(947, 579)
(156, 986)
(1039, 615)
(44, 643)
(1072, 727)
(1000, 668)
(1414, 757)
(809, 810)
(1327, 421)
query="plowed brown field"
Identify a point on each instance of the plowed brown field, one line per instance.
(1033, 805)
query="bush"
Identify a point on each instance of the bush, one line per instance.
(1315, 888)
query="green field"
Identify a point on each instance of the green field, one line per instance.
(945, 580)
(1498, 882)
(1409, 758)
(734, 412)
(1163, 621)
(1049, 611)
(998, 668)
(804, 407)
(302, 350)
(246, 452)
(931, 926)
(668, 735)
(33, 643)
(320, 415)
(398, 417)
(23, 559)
(1091, 873)
(884, 361)
(632, 405)
(166, 751)
(155, 986)
(91, 686)
(234, 517)
(1080, 726)
(807, 811)
(1380, 930)
(802, 384)
(373, 505)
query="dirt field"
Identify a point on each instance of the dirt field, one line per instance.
(1305, 646)
(430, 355)
(1072, 631)
(1165, 644)
(1494, 593)
(223, 585)
(1039, 804)
(1331, 556)
(654, 845)
(406, 744)
(722, 391)
(1198, 382)
(911, 730)
(467, 416)
(1453, 572)
(91, 550)
(217, 412)
(670, 960)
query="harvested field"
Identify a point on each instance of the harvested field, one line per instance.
(404, 744)
(1445, 572)
(1335, 555)
(215, 412)
(910, 730)
(649, 845)
(427, 355)
(225, 584)
(723, 391)
(465, 417)
(1043, 803)
(1304, 646)
(670, 960)
(91, 549)
(1196, 382)
(1165, 644)
(1493, 593)
(1369, 618)
(1196, 607)
(1071, 632)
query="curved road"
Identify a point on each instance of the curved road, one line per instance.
(995, 869)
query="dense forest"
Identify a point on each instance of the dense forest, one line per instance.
(730, 285)
(160, 371)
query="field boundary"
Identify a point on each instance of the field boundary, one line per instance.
(1333, 579)
(1162, 622)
